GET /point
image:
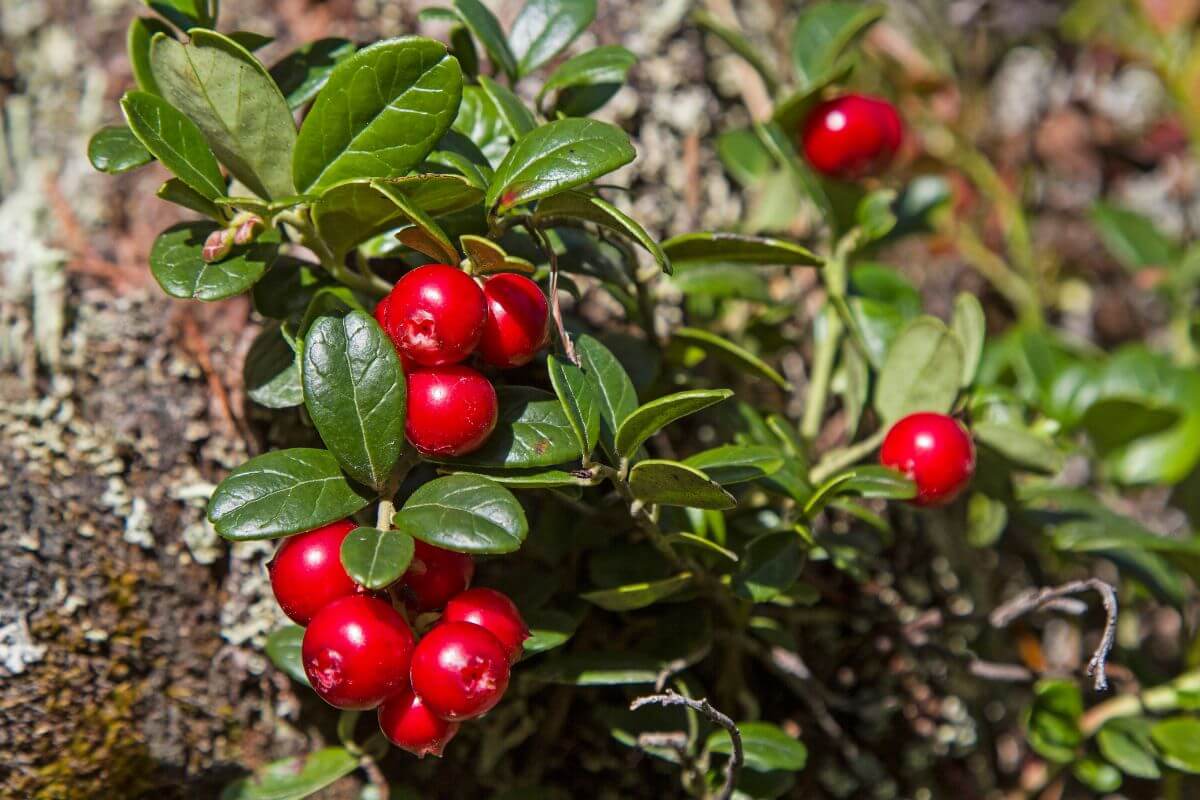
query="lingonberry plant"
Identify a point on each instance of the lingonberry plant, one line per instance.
(421, 246)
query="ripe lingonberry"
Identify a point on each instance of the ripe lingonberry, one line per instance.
(434, 576)
(409, 724)
(852, 136)
(451, 410)
(307, 572)
(935, 451)
(494, 612)
(517, 320)
(459, 670)
(356, 652)
(434, 314)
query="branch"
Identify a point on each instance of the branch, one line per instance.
(1036, 599)
(555, 307)
(671, 698)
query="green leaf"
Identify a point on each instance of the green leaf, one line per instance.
(175, 141)
(525, 478)
(229, 94)
(137, 44)
(598, 669)
(544, 28)
(184, 14)
(283, 492)
(288, 287)
(1020, 445)
(769, 565)
(532, 431)
(730, 353)
(1097, 775)
(462, 155)
(250, 40)
(379, 115)
(670, 483)
(590, 208)
(283, 648)
(302, 73)
(1052, 723)
(720, 281)
(614, 388)
(1127, 744)
(607, 66)
(822, 34)
(874, 216)
(971, 327)
(424, 235)
(176, 264)
(1178, 741)
(633, 596)
(548, 629)
(764, 745)
(657, 414)
(486, 28)
(922, 371)
(738, 42)
(699, 542)
(744, 157)
(736, 463)
(355, 393)
(516, 118)
(271, 371)
(866, 481)
(579, 401)
(488, 257)
(736, 248)
(466, 514)
(1133, 239)
(376, 559)
(294, 778)
(986, 520)
(114, 149)
(1113, 422)
(480, 122)
(178, 192)
(559, 155)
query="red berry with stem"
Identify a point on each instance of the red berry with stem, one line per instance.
(852, 136)
(518, 319)
(307, 572)
(434, 576)
(459, 670)
(451, 410)
(409, 724)
(494, 612)
(935, 451)
(356, 652)
(435, 315)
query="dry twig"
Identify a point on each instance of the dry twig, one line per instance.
(671, 698)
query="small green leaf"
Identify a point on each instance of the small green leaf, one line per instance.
(604, 66)
(864, 480)
(1127, 744)
(730, 353)
(545, 27)
(294, 778)
(283, 492)
(1133, 239)
(1052, 723)
(176, 264)
(178, 192)
(1178, 742)
(480, 122)
(355, 393)
(488, 257)
(466, 514)
(1020, 445)
(823, 33)
(657, 414)
(1096, 775)
(548, 629)
(137, 44)
(304, 72)
(735, 463)
(283, 648)
(271, 371)
(579, 401)
(736, 248)
(376, 559)
(557, 156)
(582, 206)
(532, 431)
(114, 150)
(175, 141)
(614, 388)
(971, 327)
(764, 745)
(744, 157)
(922, 371)
(633, 596)
(486, 28)
(671, 483)
(986, 520)
(874, 216)
(769, 565)
(424, 235)
(516, 118)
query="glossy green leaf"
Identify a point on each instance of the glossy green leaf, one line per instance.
(480, 121)
(184, 14)
(922, 371)
(516, 118)
(379, 115)
(486, 29)
(176, 264)
(614, 388)
(177, 192)
(271, 371)
(1127, 744)
(424, 235)
(355, 393)
(557, 156)
(607, 65)
(466, 514)
(579, 400)
(1132, 239)
(294, 778)
(174, 140)
(1052, 724)
(597, 210)
(376, 559)
(633, 596)
(544, 28)
(283, 492)
(1020, 445)
(229, 94)
(769, 566)
(971, 327)
(457, 152)
(736, 356)
(114, 149)
(649, 419)
(670, 483)
(764, 746)
(532, 431)
(302, 73)
(867, 480)
(736, 463)
(736, 248)
(137, 44)
(1178, 742)
(283, 648)
(824, 31)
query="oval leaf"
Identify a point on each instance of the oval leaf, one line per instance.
(764, 745)
(271, 371)
(486, 28)
(545, 27)
(512, 113)
(736, 248)
(657, 414)
(294, 778)
(176, 264)
(137, 45)
(824, 31)
(735, 463)
(174, 140)
(374, 558)
(969, 323)
(1020, 445)
(730, 353)
(115, 149)
(670, 483)
(614, 387)
(637, 595)
(466, 514)
(579, 205)
(922, 371)
(532, 431)
(578, 397)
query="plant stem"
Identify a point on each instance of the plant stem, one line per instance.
(822, 375)
(370, 283)
(737, 755)
(837, 460)
(555, 305)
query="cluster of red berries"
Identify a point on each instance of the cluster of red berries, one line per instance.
(935, 451)
(360, 653)
(852, 136)
(437, 316)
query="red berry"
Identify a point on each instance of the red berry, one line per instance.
(935, 451)
(517, 320)
(409, 724)
(434, 314)
(459, 670)
(356, 652)
(434, 576)
(494, 612)
(307, 572)
(852, 136)
(451, 410)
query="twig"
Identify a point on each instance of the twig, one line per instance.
(671, 698)
(1036, 599)
(555, 306)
